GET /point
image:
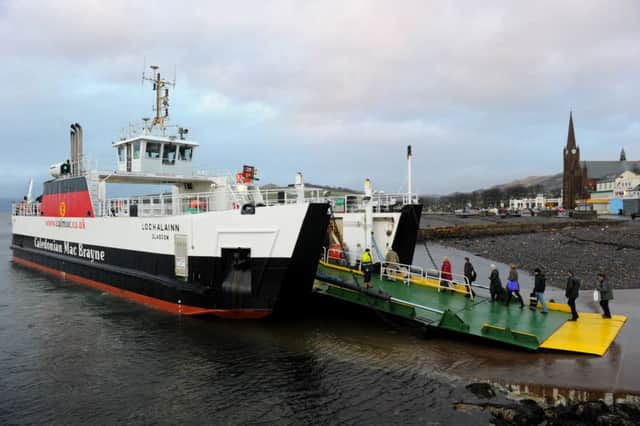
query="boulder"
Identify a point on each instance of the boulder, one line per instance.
(481, 390)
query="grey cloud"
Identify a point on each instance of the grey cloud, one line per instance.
(472, 79)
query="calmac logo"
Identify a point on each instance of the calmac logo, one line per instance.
(63, 209)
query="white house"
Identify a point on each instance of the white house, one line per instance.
(539, 202)
(626, 183)
(616, 185)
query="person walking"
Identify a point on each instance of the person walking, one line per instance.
(540, 284)
(495, 284)
(470, 274)
(606, 294)
(469, 271)
(513, 286)
(571, 292)
(445, 273)
(365, 262)
(391, 263)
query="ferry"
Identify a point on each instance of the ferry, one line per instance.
(212, 245)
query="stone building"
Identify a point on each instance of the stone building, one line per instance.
(581, 177)
(574, 177)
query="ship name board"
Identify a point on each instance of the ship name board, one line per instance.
(69, 248)
(161, 227)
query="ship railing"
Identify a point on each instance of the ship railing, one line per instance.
(457, 283)
(233, 197)
(343, 203)
(230, 198)
(414, 274)
(407, 274)
(24, 208)
(380, 202)
(401, 271)
(148, 205)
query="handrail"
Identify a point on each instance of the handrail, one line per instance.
(412, 273)
(456, 279)
(415, 305)
(24, 208)
(409, 272)
(229, 198)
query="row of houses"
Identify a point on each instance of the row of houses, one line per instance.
(612, 194)
(615, 194)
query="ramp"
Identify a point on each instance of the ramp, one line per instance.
(591, 334)
(421, 299)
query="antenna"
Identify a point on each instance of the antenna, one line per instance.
(161, 87)
(409, 173)
(144, 67)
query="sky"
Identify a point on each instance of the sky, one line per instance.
(333, 89)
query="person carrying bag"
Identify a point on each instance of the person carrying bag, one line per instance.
(605, 294)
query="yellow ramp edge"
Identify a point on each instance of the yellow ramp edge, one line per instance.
(591, 334)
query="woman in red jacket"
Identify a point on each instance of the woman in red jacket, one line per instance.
(445, 274)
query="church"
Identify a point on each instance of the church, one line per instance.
(581, 177)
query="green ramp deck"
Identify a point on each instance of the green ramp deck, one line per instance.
(443, 309)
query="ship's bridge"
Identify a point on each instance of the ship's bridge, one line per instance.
(157, 155)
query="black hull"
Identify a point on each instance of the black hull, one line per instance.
(273, 283)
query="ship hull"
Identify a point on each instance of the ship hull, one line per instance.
(281, 244)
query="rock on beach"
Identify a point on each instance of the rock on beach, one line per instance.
(529, 412)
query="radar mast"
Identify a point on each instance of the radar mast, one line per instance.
(161, 108)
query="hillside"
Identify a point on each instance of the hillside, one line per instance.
(549, 182)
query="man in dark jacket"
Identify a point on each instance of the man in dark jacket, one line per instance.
(606, 294)
(470, 274)
(469, 271)
(540, 285)
(495, 284)
(572, 291)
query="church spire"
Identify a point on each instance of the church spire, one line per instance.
(571, 137)
(623, 155)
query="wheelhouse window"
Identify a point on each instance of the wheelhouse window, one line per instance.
(153, 150)
(169, 154)
(121, 153)
(136, 150)
(186, 152)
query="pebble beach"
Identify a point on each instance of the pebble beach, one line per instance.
(613, 250)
